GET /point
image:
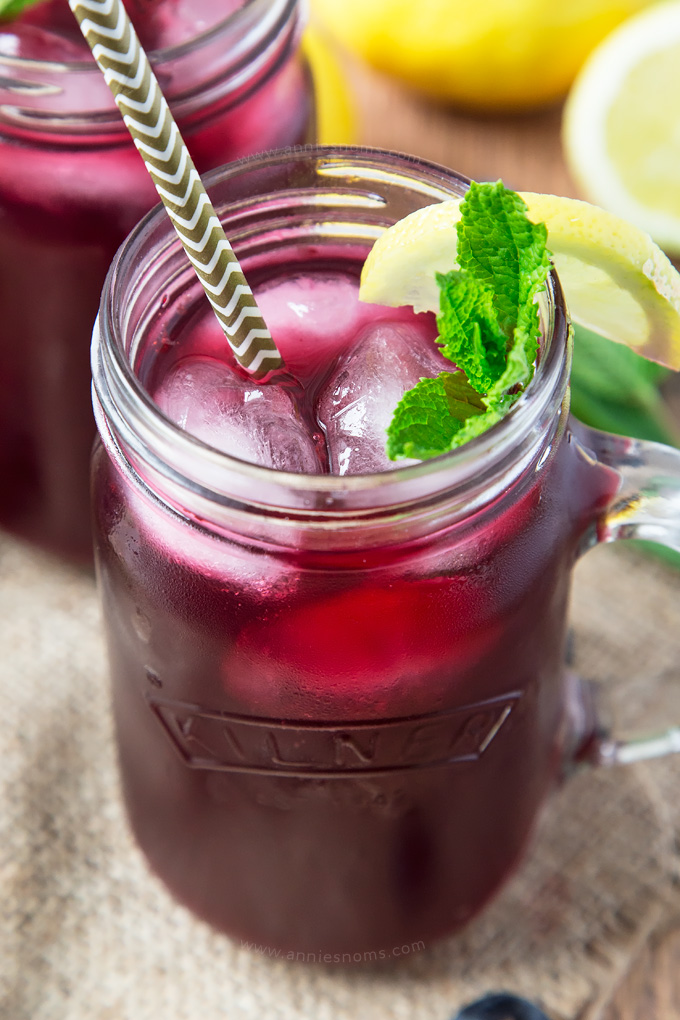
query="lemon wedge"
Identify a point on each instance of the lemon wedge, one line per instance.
(621, 125)
(617, 282)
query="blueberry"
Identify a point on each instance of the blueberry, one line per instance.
(501, 1006)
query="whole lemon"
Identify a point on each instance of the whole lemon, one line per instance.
(490, 55)
(335, 118)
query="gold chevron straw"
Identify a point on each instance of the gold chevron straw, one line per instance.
(116, 48)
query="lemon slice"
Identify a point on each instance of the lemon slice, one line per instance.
(617, 282)
(622, 123)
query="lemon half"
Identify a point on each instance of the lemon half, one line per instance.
(622, 123)
(616, 280)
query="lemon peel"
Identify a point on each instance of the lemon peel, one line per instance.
(616, 280)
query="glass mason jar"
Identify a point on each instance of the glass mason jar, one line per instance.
(341, 701)
(72, 185)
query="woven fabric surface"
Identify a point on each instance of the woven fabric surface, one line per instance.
(87, 932)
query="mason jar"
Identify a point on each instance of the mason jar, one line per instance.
(340, 701)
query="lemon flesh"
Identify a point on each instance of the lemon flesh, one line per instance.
(616, 281)
(496, 55)
(622, 124)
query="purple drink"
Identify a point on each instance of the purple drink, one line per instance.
(340, 698)
(72, 186)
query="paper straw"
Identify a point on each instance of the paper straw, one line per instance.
(117, 50)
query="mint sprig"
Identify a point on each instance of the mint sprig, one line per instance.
(11, 8)
(488, 327)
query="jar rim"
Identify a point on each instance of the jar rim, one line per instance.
(222, 60)
(163, 54)
(138, 423)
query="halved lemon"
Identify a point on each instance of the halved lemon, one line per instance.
(622, 123)
(616, 280)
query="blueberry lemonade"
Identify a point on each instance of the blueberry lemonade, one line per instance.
(72, 186)
(338, 678)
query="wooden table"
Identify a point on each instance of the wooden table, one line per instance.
(525, 151)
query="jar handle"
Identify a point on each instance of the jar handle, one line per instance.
(646, 507)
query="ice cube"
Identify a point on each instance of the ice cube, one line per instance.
(357, 403)
(254, 423)
(312, 318)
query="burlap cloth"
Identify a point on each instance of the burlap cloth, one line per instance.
(88, 934)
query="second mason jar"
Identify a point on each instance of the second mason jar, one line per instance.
(72, 185)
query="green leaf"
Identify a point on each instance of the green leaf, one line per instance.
(614, 372)
(11, 8)
(519, 367)
(474, 427)
(428, 416)
(469, 334)
(614, 389)
(502, 249)
(621, 419)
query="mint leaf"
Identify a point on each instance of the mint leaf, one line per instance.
(519, 367)
(428, 416)
(11, 8)
(469, 334)
(474, 427)
(501, 248)
(488, 326)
